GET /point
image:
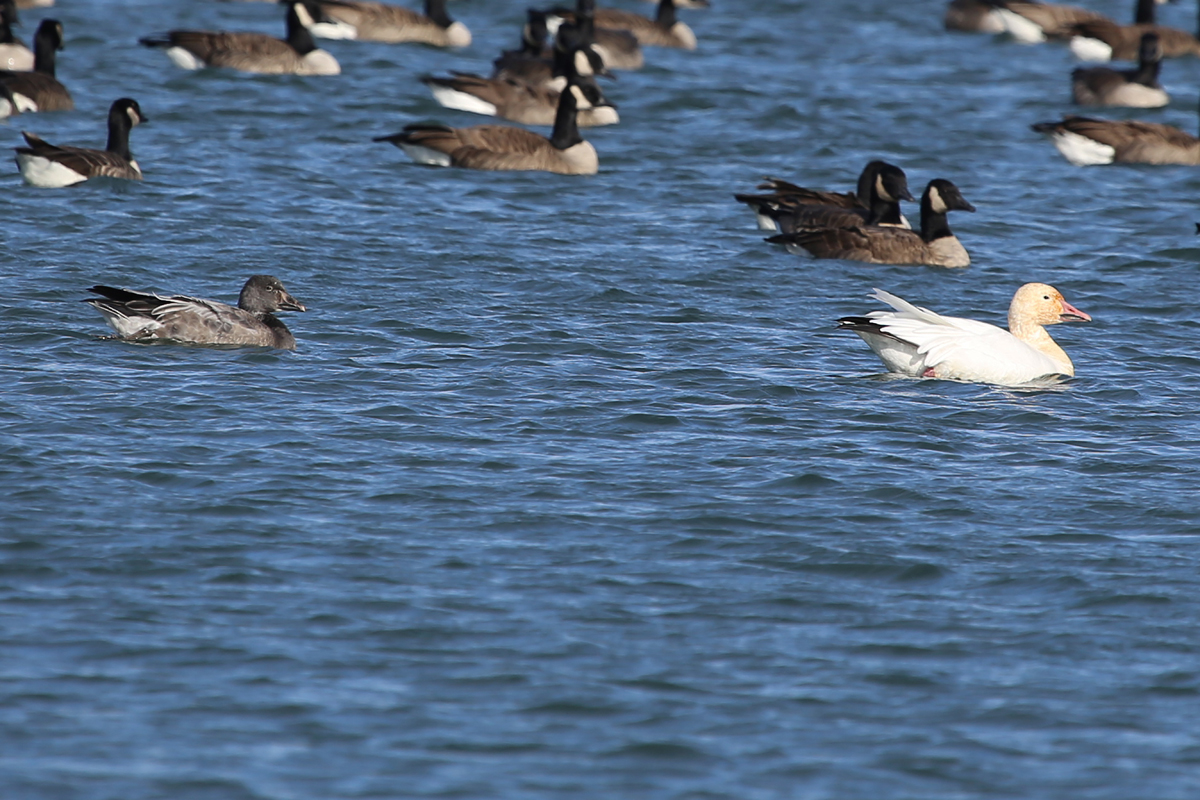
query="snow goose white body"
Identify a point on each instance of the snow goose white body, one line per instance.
(918, 342)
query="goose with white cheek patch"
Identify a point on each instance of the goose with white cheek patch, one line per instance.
(141, 316)
(1085, 142)
(501, 147)
(381, 22)
(1130, 88)
(252, 52)
(1105, 40)
(934, 246)
(38, 90)
(878, 178)
(53, 166)
(920, 343)
(13, 54)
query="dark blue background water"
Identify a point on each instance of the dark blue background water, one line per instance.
(571, 490)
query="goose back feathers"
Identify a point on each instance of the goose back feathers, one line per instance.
(917, 342)
(878, 178)
(935, 245)
(141, 316)
(380, 22)
(252, 52)
(47, 165)
(665, 30)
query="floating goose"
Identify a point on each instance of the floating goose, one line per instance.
(618, 48)
(500, 147)
(13, 54)
(662, 31)
(917, 342)
(1089, 142)
(533, 63)
(784, 194)
(252, 52)
(974, 16)
(531, 104)
(47, 165)
(380, 22)
(1105, 40)
(1132, 88)
(881, 187)
(140, 316)
(935, 246)
(38, 90)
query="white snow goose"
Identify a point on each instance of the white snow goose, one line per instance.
(920, 343)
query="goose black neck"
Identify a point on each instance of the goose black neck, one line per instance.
(933, 224)
(566, 129)
(45, 47)
(866, 186)
(436, 11)
(119, 125)
(1147, 72)
(6, 34)
(298, 36)
(666, 13)
(884, 212)
(1143, 12)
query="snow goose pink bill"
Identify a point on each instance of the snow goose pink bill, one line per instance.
(920, 343)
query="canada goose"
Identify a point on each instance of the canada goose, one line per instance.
(500, 147)
(974, 16)
(380, 22)
(662, 31)
(1105, 40)
(1133, 88)
(619, 48)
(13, 54)
(920, 343)
(47, 165)
(934, 246)
(38, 90)
(1088, 142)
(141, 316)
(1033, 22)
(528, 104)
(252, 52)
(533, 62)
(884, 194)
(785, 196)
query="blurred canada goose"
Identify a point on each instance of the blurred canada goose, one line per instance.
(1133, 88)
(619, 48)
(973, 16)
(532, 63)
(1088, 142)
(38, 90)
(380, 22)
(785, 197)
(1105, 40)
(13, 54)
(528, 104)
(47, 165)
(252, 52)
(920, 343)
(141, 316)
(662, 31)
(1032, 22)
(500, 147)
(934, 246)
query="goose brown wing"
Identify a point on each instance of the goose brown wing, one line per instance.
(814, 216)
(1054, 19)
(249, 52)
(82, 160)
(868, 243)
(371, 15)
(47, 92)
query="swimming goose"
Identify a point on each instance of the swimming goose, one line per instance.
(1105, 40)
(974, 16)
(47, 165)
(380, 22)
(877, 177)
(618, 48)
(1033, 22)
(935, 245)
(500, 147)
(533, 62)
(38, 90)
(1089, 142)
(252, 52)
(1132, 88)
(883, 207)
(662, 31)
(917, 342)
(140, 316)
(13, 54)
(531, 104)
